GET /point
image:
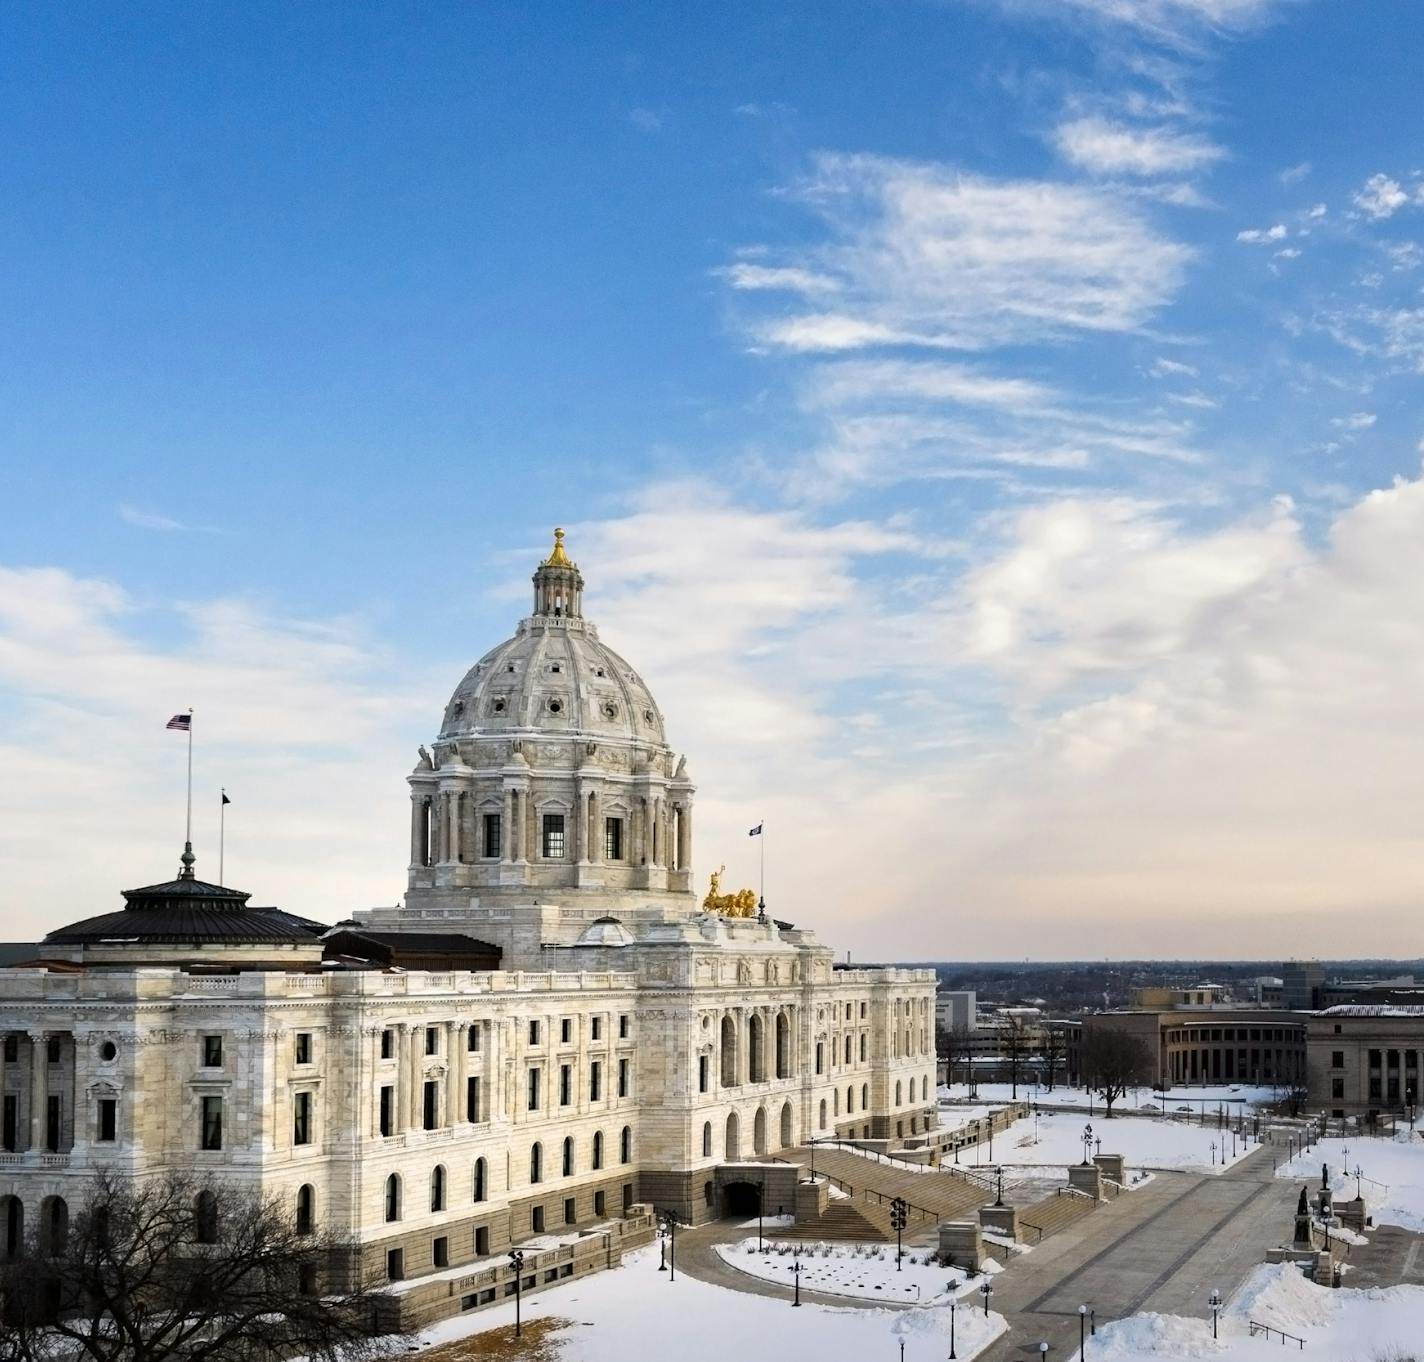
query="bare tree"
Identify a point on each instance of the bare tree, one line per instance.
(1015, 1050)
(1113, 1062)
(953, 1043)
(1052, 1052)
(170, 1269)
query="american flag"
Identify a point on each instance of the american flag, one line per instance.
(182, 722)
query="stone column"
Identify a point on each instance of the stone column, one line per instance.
(578, 830)
(415, 1050)
(453, 1084)
(39, 1089)
(453, 801)
(595, 841)
(417, 828)
(684, 836)
(402, 1078)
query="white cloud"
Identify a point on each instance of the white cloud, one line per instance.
(1194, 399)
(1257, 236)
(153, 520)
(1107, 148)
(1316, 211)
(1163, 367)
(1294, 174)
(748, 276)
(1173, 23)
(880, 380)
(1360, 420)
(646, 120)
(925, 256)
(1381, 196)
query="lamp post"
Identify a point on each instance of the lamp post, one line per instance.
(1213, 1153)
(1043, 1350)
(999, 1199)
(1359, 1173)
(761, 1206)
(1087, 1143)
(899, 1212)
(1082, 1331)
(986, 1289)
(1214, 1300)
(796, 1275)
(669, 1224)
(953, 1306)
(516, 1261)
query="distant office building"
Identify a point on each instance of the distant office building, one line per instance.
(955, 1009)
(1301, 981)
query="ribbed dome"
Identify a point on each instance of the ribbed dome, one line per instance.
(554, 675)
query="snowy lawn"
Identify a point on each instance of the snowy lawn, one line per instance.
(1344, 1325)
(864, 1271)
(1146, 1142)
(1394, 1192)
(1231, 1096)
(635, 1311)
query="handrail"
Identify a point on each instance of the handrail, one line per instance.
(1037, 1229)
(1255, 1327)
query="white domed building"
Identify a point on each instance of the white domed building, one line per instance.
(547, 1042)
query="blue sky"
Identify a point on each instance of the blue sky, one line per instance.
(992, 427)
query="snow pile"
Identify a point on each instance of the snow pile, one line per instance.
(1148, 1335)
(1392, 1181)
(1279, 1295)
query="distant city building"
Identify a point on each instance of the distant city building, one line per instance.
(955, 1010)
(1301, 981)
(1365, 1060)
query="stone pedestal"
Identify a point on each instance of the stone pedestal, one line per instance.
(812, 1199)
(1001, 1220)
(961, 1244)
(1086, 1177)
(1113, 1167)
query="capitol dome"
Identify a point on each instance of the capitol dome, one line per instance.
(554, 675)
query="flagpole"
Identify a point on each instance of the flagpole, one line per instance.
(222, 833)
(761, 840)
(188, 825)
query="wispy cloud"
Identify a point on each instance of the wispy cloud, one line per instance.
(153, 520)
(1294, 174)
(1106, 148)
(1261, 236)
(646, 120)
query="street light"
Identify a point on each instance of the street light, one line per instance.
(516, 1261)
(1087, 1138)
(669, 1224)
(1359, 1173)
(1082, 1330)
(1043, 1349)
(899, 1211)
(953, 1306)
(986, 1289)
(999, 1200)
(1214, 1300)
(761, 1204)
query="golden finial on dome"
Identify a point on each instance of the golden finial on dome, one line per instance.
(558, 558)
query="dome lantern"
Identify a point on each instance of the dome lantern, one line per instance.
(558, 584)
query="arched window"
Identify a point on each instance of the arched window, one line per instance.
(756, 1048)
(898, 1093)
(783, 1045)
(823, 1113)
(205, 1218)
(847, 1049)
(393, 1198)
(759, 1133)
(568, 1156)
(786, 1125)
(865, 1097)
(306, 1208)
(707, 1139)
(729, 1053)
(437, 1187)
(862, 1044)
(912, 1090)
(733, 1147)
(480, 1191)
(54, 1225)
(836, 1100)
(625, 1145)
(598, 1149)
(850, 1100)
(536, 1162)
(14, 1226)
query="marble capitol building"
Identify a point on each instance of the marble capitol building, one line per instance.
(551, 1040)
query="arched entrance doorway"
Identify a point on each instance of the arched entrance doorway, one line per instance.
(741, 1199)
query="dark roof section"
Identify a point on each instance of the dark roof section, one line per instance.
(189, 911)
(412, 950)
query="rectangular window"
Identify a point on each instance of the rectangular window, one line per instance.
(492, 845)
(622, 1078)
(52, 1050)
(302, 1119)
(432, 1040)
(472, 1099)
(482, 1241)
(624, 1026)
(440, 1251)
(395, 1265)
(108, 1120)
(388, 1110)
(1337, 1087)
(597, 1024)
(595, 1081)
(612, 839)
(570, 1211)
(533, 1089)
(553, 837)
(212, 1133)
(388, 1044)
(565, 1084)
(431, 1111)
(1375, 1057)
(566, 1030)
(304, 1047)
(212, 1052)
(1337, 1059)
(536, 1220)
(472, 1039)
(701, 1073)
(54, 1115)
(533, 1033)
(12, 1049)
(600, 1204)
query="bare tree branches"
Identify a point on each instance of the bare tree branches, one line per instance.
(162, 1270)
(1113, 1061)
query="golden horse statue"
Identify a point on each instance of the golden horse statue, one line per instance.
(741, 904)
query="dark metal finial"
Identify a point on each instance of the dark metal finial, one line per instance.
(187, 859)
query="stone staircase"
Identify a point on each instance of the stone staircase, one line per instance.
(872, 1183)
(1052, 1214)
(852, 1222)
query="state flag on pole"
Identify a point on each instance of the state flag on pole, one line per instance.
(182, 722)
(755, 832)
(226, 800)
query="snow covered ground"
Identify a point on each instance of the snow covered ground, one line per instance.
(1344, 1325)
(1231, 1096)
(1147, 1142)
(635, 1311)
(1394, 1192)
(862, 1271)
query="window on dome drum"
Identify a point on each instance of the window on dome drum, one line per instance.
(108, 1121)
(492, 835)
(432, 1040)
(302, 1118)
(212, 1132)
(388, 1044)
(472, 1039)
(553, 836)
(304, 1047)
(613, 839)
(212, 1052)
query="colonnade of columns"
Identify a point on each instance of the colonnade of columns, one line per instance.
(414, 1068)
(33, 1128)
(755, 1034)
